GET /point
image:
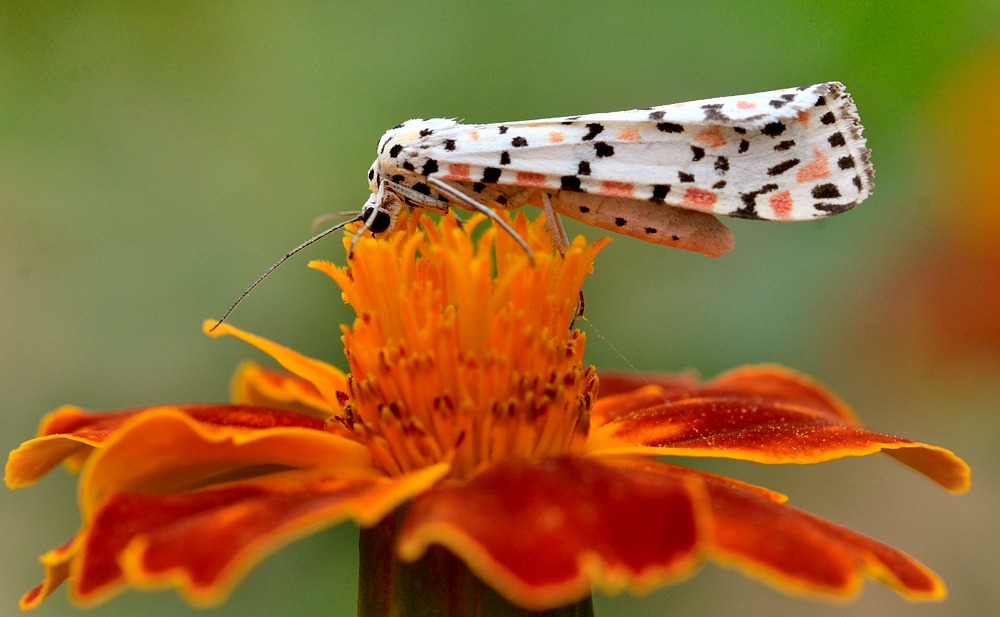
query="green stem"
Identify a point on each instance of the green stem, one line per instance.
(437, 585)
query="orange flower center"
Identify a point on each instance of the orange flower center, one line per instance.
(462, 349)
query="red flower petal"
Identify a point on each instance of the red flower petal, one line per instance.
(166, 450)
(542, 532)
(70, 434)
(57, 566)
(762, 414)
(204, 541)
(798, 551)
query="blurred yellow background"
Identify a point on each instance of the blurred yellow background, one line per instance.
(155, 159)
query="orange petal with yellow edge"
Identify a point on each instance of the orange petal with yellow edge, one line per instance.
(57, 569)
(327, 379)
(542, 532)
(204, 541)
(257, 385)
(167, 450)
(761, 414)
(799, 552)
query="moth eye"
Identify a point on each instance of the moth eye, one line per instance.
(381, 222)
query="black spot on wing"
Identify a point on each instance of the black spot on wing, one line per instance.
(785, 145)
(660, 192)
(519, 142)
(593, 130)
(603, 149)
(570, 183)
(426, 132)
(685, 177)
(845, 162)
(491, 175)
(749, 199)
(782, 167)
(583, 169)
(505, 158)
(395, 150)
(697, 153)
(837, 139)
(449, 144)
(773, 129)
(669, 127)
(826, 191)
(828, 118)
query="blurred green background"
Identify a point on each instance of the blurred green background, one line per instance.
(155, 158)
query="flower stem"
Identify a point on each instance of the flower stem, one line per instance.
(437, 585)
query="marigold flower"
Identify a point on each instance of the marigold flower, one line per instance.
(468, 434)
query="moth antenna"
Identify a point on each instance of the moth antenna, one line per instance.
(274, 266)
(321, 220)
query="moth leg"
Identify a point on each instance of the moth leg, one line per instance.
(458, 195)
(554, 224)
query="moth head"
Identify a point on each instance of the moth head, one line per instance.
(380, 216)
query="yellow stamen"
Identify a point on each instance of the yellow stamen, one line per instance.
(462, 349)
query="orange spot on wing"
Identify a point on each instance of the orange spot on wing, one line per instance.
(699, 199)
(746, 105)
(803, 118)
(618, 189)
(711, 137)
(530, 178)
(628, 135)
(781, 203)
(458, 172)
(474, 135)
(814, 169)
(556, 137)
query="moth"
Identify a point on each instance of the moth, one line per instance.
(659, 174)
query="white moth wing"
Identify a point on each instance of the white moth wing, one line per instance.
(794, 154)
